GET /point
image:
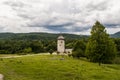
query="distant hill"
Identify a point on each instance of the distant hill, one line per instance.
(45, 36)
(116, 35)
(38, 36)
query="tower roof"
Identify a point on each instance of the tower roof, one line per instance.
(61, 37)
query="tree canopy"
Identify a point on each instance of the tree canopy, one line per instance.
(79, 49)
(100, 47)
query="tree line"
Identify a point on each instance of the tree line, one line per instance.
(31, 46)
(26, 46)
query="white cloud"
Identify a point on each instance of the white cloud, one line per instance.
(71, 16)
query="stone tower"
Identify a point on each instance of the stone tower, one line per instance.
(60, 44)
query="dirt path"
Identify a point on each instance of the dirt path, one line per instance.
(24, 55)
(1, 77)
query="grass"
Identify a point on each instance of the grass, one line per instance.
(53, 67)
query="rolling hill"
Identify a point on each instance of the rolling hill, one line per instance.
(45, 36)
(116, 35)
(38, 36)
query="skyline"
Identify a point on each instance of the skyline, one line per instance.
(58, 16)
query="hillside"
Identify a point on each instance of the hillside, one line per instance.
(51, 67)
(38, 36)
(116, 35)
(45, 36)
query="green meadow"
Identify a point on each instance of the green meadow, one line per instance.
(54, 67)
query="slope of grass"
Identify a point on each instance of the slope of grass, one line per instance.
(48, 67)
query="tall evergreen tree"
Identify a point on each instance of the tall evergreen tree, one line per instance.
(100, 47)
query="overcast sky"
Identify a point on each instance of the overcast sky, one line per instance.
(59, 16)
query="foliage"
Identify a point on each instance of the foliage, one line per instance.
(79, 49)
(51, 45)
(13, 46)
(51, 51)
(4, 52)
(37, 46)
(117, 60)
(12, 43)
(100, 47)
(117, 42)
(28, 46)
(38, 36)
(27, 50)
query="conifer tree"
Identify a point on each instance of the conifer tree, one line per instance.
(100, 47)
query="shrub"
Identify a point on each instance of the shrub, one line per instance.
(51, 51)
(117, 60)
(79, 49)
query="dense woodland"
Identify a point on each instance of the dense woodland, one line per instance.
(21, 43)
(24, 43)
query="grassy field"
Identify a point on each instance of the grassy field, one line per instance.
(48, 67)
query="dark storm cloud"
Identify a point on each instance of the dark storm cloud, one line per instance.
(59, 27)
(49, 25)
(62, 28)
(81, 29)
(111, 25)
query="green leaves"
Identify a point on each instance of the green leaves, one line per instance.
(79, 49)
(100, 47)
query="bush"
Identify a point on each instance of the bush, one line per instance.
(4, 52)
(51, 51)
(27, 50)
(69, 55)
(79, 49)
(117, 60)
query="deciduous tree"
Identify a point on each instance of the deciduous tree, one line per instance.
(100, 47)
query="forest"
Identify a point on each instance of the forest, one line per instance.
(32, 45)
(24, 43)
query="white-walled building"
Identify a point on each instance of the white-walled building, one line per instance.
(68, 51)
(61, 46)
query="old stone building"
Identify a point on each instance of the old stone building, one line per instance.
(61, 46)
